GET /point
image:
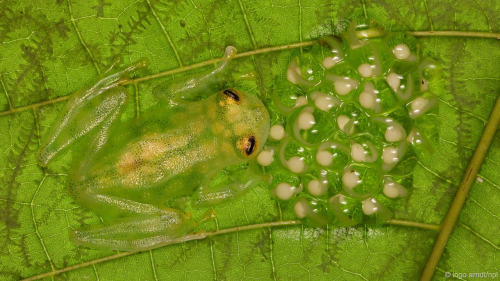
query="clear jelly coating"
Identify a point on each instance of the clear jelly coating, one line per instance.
(351, 118)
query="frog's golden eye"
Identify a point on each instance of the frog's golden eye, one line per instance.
(233, 96)
(249, 145)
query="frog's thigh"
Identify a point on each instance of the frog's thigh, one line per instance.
(77, 122)
(140, 232)
(92, 194)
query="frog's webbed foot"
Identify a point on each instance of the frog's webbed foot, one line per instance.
(95, 106)
(142, 232)
(238, 185)
(200, 85)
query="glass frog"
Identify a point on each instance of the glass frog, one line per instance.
(126, 171)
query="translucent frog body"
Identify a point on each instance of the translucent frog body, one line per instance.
(126, 171)
(349, 124)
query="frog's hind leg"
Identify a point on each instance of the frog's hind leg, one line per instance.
(87, 109)
(240, 182)
(142, 232)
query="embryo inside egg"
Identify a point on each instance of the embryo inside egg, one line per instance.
(359, 121)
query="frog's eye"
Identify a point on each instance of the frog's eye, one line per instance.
(233, 96)
(249, 145)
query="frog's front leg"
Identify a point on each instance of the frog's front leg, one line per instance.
(141, 232)
(205, 83)
(87, 109)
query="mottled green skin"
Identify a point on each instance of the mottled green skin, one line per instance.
(126, 171)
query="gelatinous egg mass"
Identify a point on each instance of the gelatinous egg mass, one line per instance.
(351, 118)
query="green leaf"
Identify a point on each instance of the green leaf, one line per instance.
(50, 49)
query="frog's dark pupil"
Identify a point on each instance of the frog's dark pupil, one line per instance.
(250, 145)
(232, 95)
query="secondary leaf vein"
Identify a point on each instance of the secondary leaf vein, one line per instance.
(73, 21)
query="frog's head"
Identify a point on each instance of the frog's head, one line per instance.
(245, 119)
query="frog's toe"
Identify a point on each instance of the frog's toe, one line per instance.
(142, 63)
(208, 216)
(230, 52)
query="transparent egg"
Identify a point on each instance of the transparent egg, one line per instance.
(352, 118)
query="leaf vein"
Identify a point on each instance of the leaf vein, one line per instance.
(485, 15)
(485, 209)
(436, 174)
(36, 225)
(73, 21)
(153, 264)
(479, 235)
(95, 272)
(461, 110)
(212, 257)
(165, 33)
(429, 15)
(271, 252)
(488, 181)
(247, 24)
(5, 91)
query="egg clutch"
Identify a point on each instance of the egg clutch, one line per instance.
(349, 123)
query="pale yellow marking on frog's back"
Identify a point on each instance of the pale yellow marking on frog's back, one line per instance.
(233, 114)
(156, 168)
(149, 149)
(153, 149)
(199, 126)
(227, 133)
(126, 163)
(240, 128)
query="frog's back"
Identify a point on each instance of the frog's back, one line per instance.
(156, 165)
